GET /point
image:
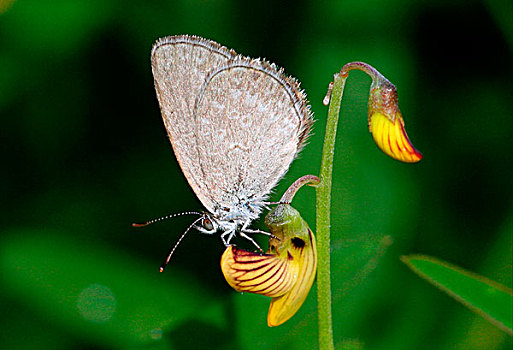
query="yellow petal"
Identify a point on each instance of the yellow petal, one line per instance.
(284, 307)
(392, 139)
(259, 273)
(296, 242)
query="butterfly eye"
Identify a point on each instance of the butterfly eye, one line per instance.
(207, 224)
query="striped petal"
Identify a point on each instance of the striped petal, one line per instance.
(392, 139)
(386, 122)
(252, 272)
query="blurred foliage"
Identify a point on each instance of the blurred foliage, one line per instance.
(491, 300)
(85, 153)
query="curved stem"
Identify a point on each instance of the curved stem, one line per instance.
(310, 180)
(377, 77)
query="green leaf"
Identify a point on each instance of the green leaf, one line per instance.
(487, 298)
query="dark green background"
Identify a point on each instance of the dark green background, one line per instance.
(84, 154)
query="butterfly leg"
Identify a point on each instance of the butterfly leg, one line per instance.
(242, 234)
(227, 236)
(245, 230)
(261, 232)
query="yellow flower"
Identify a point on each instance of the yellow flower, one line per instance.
(285, 273)
(387, 125)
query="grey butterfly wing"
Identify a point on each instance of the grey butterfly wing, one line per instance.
(251, 121)
(180, 65)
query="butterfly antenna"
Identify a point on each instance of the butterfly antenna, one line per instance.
(165, 218)
(164, 264)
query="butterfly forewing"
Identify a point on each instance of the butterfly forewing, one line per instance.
(180, 65)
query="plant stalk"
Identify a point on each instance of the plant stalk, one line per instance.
(323, 217)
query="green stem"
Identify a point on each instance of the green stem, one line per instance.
(382, 98)
(323, 218)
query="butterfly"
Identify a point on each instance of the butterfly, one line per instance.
(235, 125)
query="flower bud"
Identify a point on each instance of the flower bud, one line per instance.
(387, 125)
